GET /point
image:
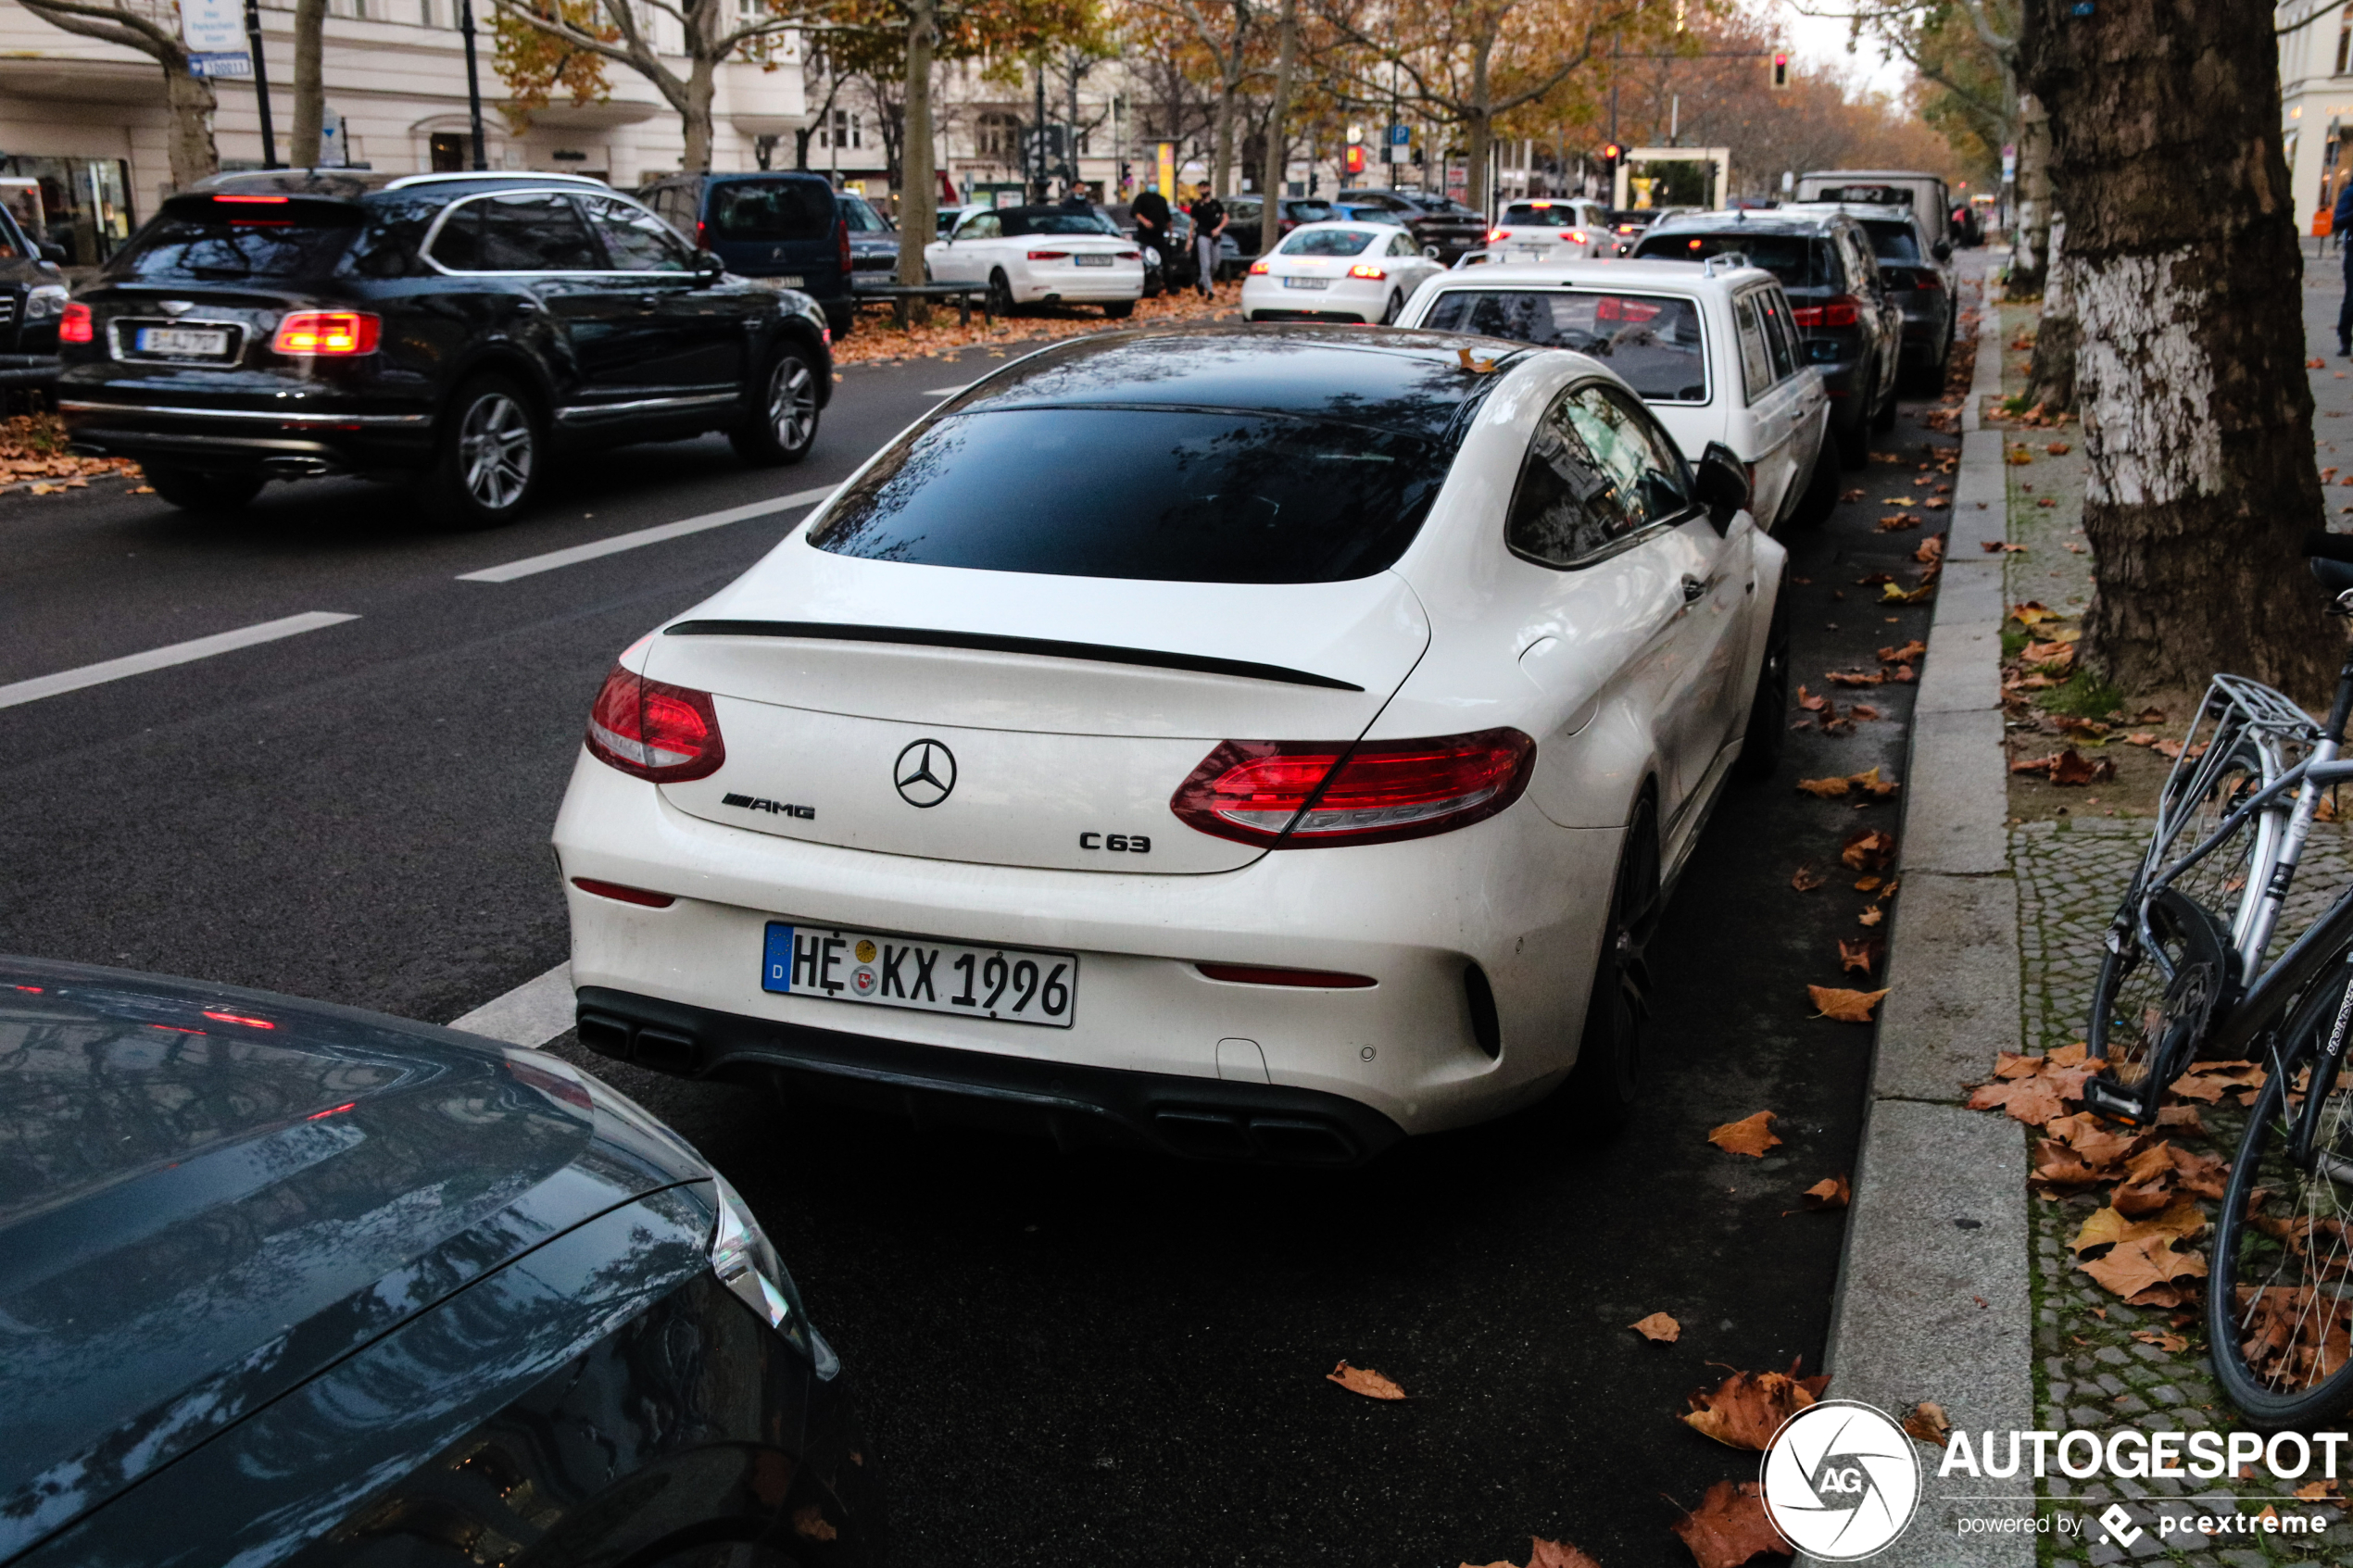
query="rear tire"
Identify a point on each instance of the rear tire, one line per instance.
(1120, 310)
(785, 427)
(1396, 308)
(487, 456)
(1000, 293)
(1768, 707)
(206, 494)
(1605, 1085)
(1814, 508)
(1884, 419)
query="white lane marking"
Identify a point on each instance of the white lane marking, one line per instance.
(531, 565)
(944, 391)
(532, 1014)
(165, 658)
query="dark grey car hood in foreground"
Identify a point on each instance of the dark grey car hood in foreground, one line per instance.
(208, 1196)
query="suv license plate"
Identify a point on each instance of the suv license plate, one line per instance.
(884, 968)
(186, 343)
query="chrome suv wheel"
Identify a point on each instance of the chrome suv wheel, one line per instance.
(785, 427)
(486, 457)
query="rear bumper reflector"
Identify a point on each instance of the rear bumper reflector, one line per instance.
(1256, 974)
(625, 894)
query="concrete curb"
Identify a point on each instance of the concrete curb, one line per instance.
(1933, 1297)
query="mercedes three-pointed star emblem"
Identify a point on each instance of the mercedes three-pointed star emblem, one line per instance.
(924, 774)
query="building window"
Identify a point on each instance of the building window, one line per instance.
(2344, 41)
(997, 135)
(846, 131)
(449, 151)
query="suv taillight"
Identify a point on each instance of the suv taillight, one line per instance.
(75, 325)
(1299, 795)
(652, 730)
(842, 244)
(327, 331)
(1838, 310)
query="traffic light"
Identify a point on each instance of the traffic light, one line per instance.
(1126, 174)
(1780, 70)
(1610, 155)
(1354, 162)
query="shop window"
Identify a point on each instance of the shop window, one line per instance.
(449, 150)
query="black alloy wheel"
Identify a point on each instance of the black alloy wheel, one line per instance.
(1396, 307)
(1120, 310)
(487, 459)
(1000, 293)
(784, 426)
(1854, 440)
(1769, 709)
(192, 490)
(1607, 1080)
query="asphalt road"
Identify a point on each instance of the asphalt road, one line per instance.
(1093, 1358)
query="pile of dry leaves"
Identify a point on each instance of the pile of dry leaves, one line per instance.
(878, 337)
(32, 446)
(2135, 1246)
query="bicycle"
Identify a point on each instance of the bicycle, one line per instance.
(2190, 973)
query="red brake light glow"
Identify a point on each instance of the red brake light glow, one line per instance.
(1259, 269)
(75, 326)
(327, 333)
(1575, 236)
(1367, 270)
(1494, 234)
(1840, 311)
(624, 894)
(255, 201)
(1259, 974)
(1298, 795)
(239, 1018)
(651, 730)
(331, 1111)
(1049, 255)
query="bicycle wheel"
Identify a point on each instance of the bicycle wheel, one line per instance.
(2150, 1004)
(2279, 1303)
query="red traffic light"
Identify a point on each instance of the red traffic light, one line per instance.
(1613, 152)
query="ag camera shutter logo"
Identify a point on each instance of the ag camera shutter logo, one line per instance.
(1841, 1480)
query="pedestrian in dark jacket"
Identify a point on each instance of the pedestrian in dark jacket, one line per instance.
(1209, 226)
(2341, 225)
(1150, 212)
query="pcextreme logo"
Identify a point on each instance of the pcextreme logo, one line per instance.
(1841, 1480)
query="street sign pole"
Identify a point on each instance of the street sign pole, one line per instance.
(473, 81)
(262, 84)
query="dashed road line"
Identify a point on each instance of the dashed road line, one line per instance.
(533, 565)
(532, 1014)
(188, 652)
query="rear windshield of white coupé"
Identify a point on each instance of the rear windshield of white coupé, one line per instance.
(1653, 340)
(1329, 242)
(1158, 495)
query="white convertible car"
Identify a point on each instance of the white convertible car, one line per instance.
(1253, 743)
(1040, 256)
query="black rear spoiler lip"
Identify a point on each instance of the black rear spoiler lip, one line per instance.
(986, 642)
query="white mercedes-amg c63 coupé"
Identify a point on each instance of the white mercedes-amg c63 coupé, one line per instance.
(1256, 743)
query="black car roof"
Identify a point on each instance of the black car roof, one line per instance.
(1408, 381)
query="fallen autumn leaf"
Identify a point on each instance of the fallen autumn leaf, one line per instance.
(1658, 1328)
(1364, 1381)
(1749, 1135)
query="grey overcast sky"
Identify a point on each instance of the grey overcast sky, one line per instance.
(1821, 42)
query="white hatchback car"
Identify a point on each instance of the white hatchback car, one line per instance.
(1041, 254)
(1712, 349)
(1549, 229)
(1252, 742)
(1337, 272)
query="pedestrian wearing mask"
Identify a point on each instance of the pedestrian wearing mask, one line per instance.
(1151, 215)
(1209, 224)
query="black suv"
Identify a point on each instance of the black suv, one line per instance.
(444, 327)
(792, 228)
(1443, 227)
(32, 300)
(1853, 332)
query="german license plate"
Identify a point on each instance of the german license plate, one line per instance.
(886, 969)
(1532, 252)
(182, 343)
(790, 280)
(1307, 282)
(1093, 261)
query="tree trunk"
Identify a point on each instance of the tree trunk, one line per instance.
(918, 202)
(1479, 125)
(2031, 231)
(310, 84)
(2052, 380)
(702, 85)
(2186, 277)
(190, 152)
(1270, 226)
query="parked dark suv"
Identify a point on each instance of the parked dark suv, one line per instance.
(32, 300)
(1442, 228)
(1853, 332)
(792, 228)
(450, 329)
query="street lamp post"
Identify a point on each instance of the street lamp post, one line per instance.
(261, 84)
(473, 81)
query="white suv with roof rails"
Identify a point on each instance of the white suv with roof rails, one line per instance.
(1712, 350)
